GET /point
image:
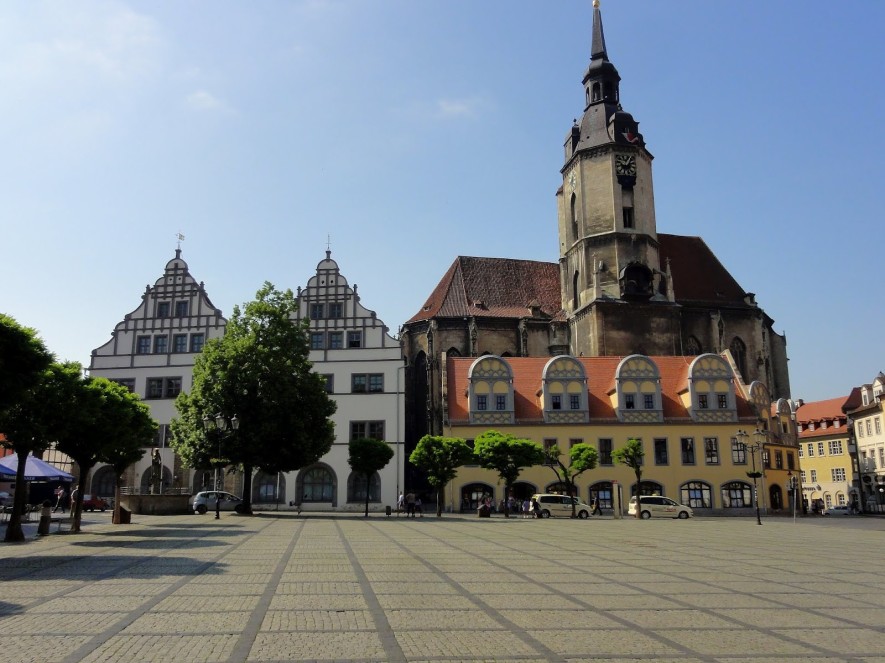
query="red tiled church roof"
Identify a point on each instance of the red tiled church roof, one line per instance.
(494, 287)
(506, 288)
(697, 273)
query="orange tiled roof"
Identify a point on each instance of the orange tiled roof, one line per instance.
(600, 371)
(697, 273)
(494, 287)
(829, 411)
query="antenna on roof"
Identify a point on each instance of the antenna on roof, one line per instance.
(328, 246)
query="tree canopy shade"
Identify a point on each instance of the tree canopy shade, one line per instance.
(507, 455)
(440, 457)
(23, 358)
(582, 457)
(368, 456)
(39, 417)
(631, 455)
(258, 371)
(108, 424)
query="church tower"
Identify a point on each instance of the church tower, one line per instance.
(608, 243)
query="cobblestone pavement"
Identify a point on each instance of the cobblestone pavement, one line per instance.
(346, 588)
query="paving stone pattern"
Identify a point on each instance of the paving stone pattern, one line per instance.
(280, 587)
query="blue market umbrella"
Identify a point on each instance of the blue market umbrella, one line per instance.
(35, 470)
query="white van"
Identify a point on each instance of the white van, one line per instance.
(659, 507)
(561, 505)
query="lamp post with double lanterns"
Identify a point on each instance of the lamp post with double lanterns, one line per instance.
(742, 437)
(221, 425)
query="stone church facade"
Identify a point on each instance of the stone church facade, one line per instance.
(619, 288)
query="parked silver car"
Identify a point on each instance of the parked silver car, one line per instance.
(205, 501)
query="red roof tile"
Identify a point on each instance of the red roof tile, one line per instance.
(494, 287)
(697, 273)
(600, 371)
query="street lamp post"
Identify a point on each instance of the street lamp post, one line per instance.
(221, 424)
(742, 437)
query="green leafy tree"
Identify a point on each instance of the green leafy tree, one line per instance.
(258, 371)
(631, 455)
(507, 455)
(108, 424)
(24, 362)
(367, 456)
(581, 458)
(39, 417)
(440, 457)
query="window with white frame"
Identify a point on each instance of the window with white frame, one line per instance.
(835, 447)
(813, 476)
(711, 451)
(738, 452)
(820, 448)
(811, 449)
(878, 425)
(801, 452)
(838, 473)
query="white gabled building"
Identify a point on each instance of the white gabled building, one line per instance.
(152, 352)
(364, 373)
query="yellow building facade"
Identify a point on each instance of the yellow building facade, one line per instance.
(688, 412)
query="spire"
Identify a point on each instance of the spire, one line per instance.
(597, 49)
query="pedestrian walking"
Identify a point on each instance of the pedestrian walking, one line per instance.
(596, 510)
(526, 505)
(410, 505)
(60, 494)
(400, 504)
(419, 507)
(536, 508)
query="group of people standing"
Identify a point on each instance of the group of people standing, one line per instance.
(410, 504)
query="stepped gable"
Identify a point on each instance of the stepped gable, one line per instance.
(698, 276)
(494, 288)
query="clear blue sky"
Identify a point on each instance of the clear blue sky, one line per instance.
(413, 132)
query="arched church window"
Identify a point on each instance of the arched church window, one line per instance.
(692, 347)
(739, 354)
(575, 291)
(574, 215)
(596, 92)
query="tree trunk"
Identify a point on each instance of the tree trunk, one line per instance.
(440, 495)
(247, 489)
(115, 519)
(77, 503)
(14, 530)
(368, 480)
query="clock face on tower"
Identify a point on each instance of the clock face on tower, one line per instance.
(625, 164)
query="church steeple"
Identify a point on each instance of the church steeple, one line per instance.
(602, 79)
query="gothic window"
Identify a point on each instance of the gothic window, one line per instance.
(692, 346)
(596, 92)
(628, 217)
(575, 291)
(574, 215)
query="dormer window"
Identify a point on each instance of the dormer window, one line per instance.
(637, 396)
(490, 382)
(564, 381)
(711, 389)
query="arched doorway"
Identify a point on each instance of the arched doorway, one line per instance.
(268, 488)
(165, 484)
(316, 485)
(103, 482)
(356, 488)
(602, 492)
(473, 494)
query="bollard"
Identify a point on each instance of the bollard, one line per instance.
(45, 518)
